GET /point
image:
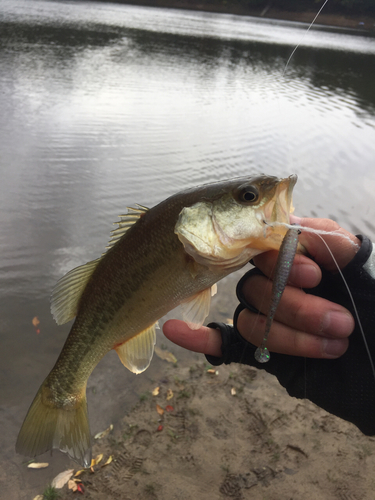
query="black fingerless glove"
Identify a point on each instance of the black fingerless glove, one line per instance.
(345, 386)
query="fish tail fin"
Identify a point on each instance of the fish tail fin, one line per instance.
(47, 426)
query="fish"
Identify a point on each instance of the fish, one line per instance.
(172, 254)
(283, 267)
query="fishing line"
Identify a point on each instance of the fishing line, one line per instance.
(303, 36)
(319, 233)
(315, 231)
(333, 233)
(353, 304)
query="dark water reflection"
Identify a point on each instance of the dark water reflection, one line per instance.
(106, 105)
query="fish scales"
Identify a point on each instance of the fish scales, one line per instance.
(169, 255)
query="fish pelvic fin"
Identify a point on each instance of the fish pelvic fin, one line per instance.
(136, 353)
(48, 427)
(195, 309)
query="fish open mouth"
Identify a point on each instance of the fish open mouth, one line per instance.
(280, 207)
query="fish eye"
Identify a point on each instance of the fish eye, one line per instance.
(248, 194)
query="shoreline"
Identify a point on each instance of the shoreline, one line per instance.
(362, 24)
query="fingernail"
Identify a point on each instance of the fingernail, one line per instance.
(295, 220)
(337, 323)
(333, 348)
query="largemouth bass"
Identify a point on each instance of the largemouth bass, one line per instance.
(157, 259)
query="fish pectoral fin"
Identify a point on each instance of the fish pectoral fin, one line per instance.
(136, 353)
(195, 310)
(68, 291)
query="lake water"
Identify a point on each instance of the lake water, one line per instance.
(103, 106)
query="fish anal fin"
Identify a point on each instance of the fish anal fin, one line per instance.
(68, 290)
(47, 427)
(195, 310)
(136, 353)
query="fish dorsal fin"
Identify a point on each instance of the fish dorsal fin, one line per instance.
(68, 290)
(126, 221)
(136, 353)
(195, 310)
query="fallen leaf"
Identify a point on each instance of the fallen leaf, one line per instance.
(159, 409)
(233, 391)
(38, 497)
(102, 434)
(35, 321)
(38, 465)
(169, 408)
(110, 458)
(98, 459)
(211, 371)
(160, 428)
(62, 478)
(165, 355)
(80, 488)
(169, 394)
(79, 472)
(156, 391)
(72, 485)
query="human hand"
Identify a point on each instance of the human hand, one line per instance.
(305, 325)
(313, 325)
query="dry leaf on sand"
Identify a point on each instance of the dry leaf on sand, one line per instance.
(102, 434)
(35, 321)
(72, 485)
(110, 458)
(38, 465)
(159, 409)
(166, 355)
(98, 459)
(156, 391)
(62, 478)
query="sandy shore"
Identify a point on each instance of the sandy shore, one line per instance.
(231, 433)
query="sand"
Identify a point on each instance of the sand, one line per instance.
(234, 433)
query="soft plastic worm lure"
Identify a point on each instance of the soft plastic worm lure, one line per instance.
(284, 264)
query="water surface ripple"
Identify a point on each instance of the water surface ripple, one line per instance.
(103, 106)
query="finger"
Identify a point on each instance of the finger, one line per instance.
(205, 340)
(285, 340)
(342, 244)
(300, 311)
(305, 273)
